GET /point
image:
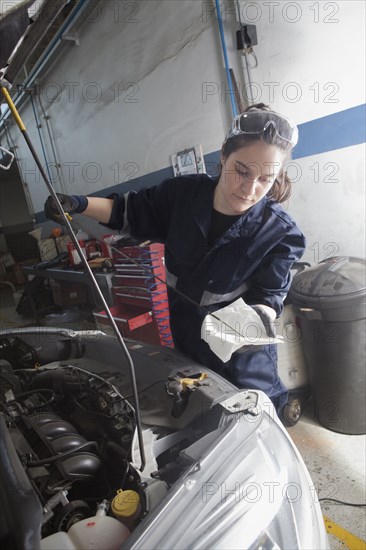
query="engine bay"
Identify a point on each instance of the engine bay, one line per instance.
(69, 420)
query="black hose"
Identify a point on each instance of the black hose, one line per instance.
(41, 390)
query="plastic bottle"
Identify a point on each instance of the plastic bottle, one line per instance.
(82, 235)
(100, 531)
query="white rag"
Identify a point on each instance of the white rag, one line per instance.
(233, 327)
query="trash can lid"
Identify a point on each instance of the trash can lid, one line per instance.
(335, 282)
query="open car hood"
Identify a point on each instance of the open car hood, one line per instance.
(221, 471)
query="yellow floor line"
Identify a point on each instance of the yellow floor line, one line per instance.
(351, 541)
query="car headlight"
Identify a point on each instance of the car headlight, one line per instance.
(248, 488)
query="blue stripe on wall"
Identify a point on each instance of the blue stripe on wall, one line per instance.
(335, 131)
(331, 132)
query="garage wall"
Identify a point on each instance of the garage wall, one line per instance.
(311, 66)
(130, 95)
(148, 80)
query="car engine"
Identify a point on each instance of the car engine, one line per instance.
(73, 433)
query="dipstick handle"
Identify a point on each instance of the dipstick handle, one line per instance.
(13, 109)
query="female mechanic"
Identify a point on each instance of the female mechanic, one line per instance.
(224, 238)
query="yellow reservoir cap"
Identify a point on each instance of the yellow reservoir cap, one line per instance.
(126, 504)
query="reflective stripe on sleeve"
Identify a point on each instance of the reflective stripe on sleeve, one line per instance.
(209, 298)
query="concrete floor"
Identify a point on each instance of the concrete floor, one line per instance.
(336, 462)
(337, 465)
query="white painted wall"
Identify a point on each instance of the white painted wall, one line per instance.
(328, 202)
(150, 80)
(311, 55)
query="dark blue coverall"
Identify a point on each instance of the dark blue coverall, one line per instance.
(251, 260)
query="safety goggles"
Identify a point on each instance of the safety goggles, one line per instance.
(257, 121)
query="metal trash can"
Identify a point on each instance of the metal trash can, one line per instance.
(329, 300)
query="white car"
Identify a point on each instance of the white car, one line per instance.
(200, 464)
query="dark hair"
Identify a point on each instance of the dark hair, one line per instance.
(281, 189)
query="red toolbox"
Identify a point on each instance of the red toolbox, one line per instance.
(136, 323)
(139, 281)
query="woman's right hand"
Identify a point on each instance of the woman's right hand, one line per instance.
(70, 204)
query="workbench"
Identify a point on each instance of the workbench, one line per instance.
(104, 281)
